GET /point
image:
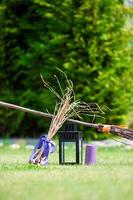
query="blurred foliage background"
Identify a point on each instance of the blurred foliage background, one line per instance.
(91, 41)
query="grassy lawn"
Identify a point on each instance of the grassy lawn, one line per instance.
(111, 178)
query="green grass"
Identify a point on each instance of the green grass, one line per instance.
(111, 178)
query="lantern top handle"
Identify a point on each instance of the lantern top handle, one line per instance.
(69, 126)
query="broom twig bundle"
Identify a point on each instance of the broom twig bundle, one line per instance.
(116, 131)
(68, 106)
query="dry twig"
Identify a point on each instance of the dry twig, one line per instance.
(68, 106)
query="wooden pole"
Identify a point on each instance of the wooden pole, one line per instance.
(116, 130)
(39, 113)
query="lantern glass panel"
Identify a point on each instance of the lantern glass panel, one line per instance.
(70, 152)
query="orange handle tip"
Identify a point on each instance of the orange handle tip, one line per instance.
(106, 129)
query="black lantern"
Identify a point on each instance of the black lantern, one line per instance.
(70, 145)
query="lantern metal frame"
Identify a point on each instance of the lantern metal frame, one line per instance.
(70, 135)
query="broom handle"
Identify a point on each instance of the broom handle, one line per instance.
(39, 113)
(100, 127)
(16, 107)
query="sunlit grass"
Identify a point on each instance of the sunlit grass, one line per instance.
(111, 178)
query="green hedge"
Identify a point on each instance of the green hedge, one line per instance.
(87, 39)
